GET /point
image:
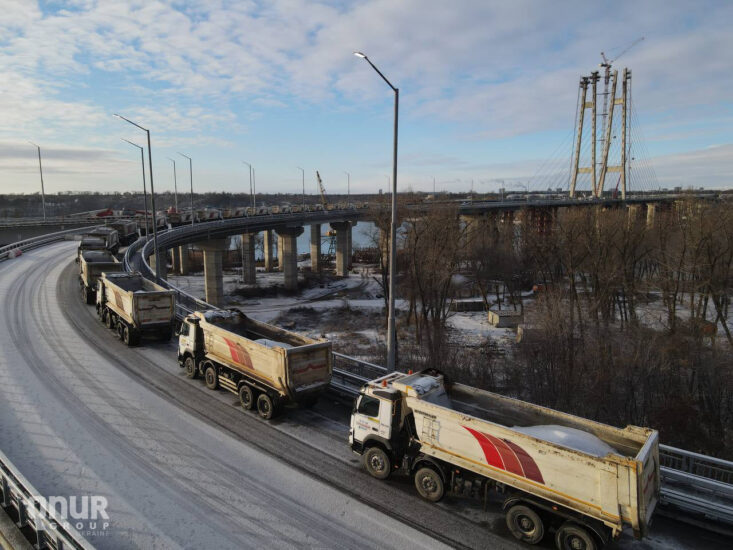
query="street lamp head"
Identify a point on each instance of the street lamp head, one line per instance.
(34, 144)
(359, 54)
(131, 143)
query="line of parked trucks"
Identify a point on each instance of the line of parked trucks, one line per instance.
(580, 479)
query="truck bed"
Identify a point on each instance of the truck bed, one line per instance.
(517, 443)
(514, 413)
(254, 330)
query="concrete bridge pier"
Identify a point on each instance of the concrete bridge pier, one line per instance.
(343, 229)
(632, 214)
(249, 268)
(174, 259)
(213, 275)
(473, 229)
(280, 259)
(183, 259)
(289, 239)
(651, 210)
(316, 264)
(350, 244)
(269, 242)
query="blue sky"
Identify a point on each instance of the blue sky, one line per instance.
(488, 90)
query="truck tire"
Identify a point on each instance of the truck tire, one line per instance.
(377, 462)
(571, 536)
(246, 397)
(121, 330)
(210, 377)
(107, 318)
(429, 484)
(126, 336)
(525, 524)
(265, 406)
(190, 367)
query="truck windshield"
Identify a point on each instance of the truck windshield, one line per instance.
(368, 406)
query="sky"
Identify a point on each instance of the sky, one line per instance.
(488, 92)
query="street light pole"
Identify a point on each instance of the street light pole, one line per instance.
(175, 184)
(145, 192)
(152, 197)
(391, 329)
(40, 169)
(348, 185)
(251, 194)
(303, 177)
(190, 175)
(254, 189)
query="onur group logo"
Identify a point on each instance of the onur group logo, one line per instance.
(87, 514)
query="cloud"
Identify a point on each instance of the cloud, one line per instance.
(203, 73)
(711, 168)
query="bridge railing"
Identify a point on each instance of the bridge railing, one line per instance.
(17, 493)
(8, 251)
(697, 464)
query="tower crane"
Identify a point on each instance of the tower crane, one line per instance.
(606, 66)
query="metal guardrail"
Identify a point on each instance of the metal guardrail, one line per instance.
(18, 494)
(697, 484)
(715, 469)
(42, 240)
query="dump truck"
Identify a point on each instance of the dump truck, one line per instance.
(126, 229)
(88, 243)
(110, 236)
(92, 263)
(266, 366)
(133, 306)
(556, 472)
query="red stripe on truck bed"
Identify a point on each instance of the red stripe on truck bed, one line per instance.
(505, 455)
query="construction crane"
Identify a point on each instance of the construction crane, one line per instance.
(322, 189)
(606, 66)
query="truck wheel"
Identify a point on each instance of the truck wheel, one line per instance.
(377, 462)
(121, 330)
(246, 397)
(107, 318)
(126, 335)
(429, 484)
(525, 524)
(265, 406)
(211, 378)
(571, 536)
(190, 365)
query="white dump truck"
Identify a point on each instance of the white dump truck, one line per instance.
(133, 306)
(584, 480)
(266, 366)
(92, 263)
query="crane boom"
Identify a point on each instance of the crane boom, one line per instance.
(322, 190)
